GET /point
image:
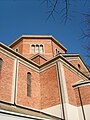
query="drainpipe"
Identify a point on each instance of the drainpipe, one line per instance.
(81, 104)
(60, 90)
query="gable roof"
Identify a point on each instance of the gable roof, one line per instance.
(41, 57)
(38, 37)
(38, 55)
(77, 56)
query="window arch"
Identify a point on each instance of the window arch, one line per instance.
(56, 51)
(33, 48)
(79, 66)
(29, 84)
(41, 49)
(16, 49)
(1, 64)
(37, 49)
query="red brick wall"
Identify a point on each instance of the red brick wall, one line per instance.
(42, 95)
(42, 61)
(26, 48)
(49, 47)
(45, 42)
(6, 78)
(55, 46)
(19, 46)
(20, 49)
(71, 78)
(44, 88)
(22, 98)
(76, 62)
(85, 95)
(49, 88)
(38, 60)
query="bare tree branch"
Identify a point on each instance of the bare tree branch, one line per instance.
(63, 8)
(53, 5)
(53, 10)
(66, 1)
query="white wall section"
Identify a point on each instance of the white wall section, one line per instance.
(55, 111)
(73, 112)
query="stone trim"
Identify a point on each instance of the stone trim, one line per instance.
(81, 83)
(25, 110)
(20, 115)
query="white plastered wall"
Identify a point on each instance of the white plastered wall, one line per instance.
(73, 112)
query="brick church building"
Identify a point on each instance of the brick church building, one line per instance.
(40, 80)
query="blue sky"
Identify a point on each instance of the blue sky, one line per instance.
(20, 17)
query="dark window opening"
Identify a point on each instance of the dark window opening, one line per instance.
(37, 49)
(16, 49)
(33, 48)
(29, 84)
(56, 51)
(41, 50)
(1, 64)
(79, 66)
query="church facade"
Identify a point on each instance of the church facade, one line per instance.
(40, 80)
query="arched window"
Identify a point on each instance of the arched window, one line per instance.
(37, 49)
(41, 49)
(56, 51)
(33, 49)
(0, 64)
(16, 49)
(79, 66)
(29, 84)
